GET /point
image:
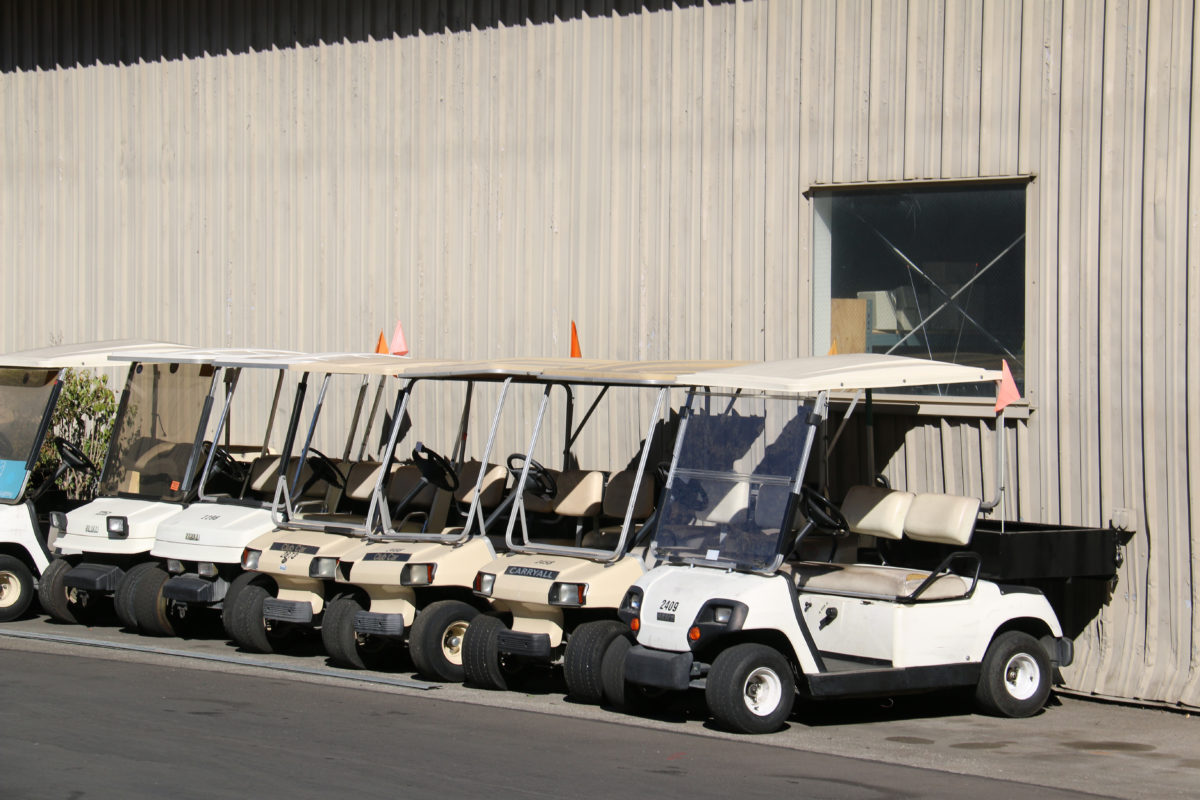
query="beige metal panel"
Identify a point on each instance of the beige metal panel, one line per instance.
(961, 89)
(885, 152)
(924, 47)
(1000, 88)
(851, 106)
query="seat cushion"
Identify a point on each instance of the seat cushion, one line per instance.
(871, 580)
(941, 518)
(876, 511)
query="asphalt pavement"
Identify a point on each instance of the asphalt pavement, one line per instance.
(94, 698)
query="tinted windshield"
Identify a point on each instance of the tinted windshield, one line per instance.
(737, 466)
(23, 397)
(156, 431)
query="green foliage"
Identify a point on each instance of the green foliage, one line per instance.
(84, 416)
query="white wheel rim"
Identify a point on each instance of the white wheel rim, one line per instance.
(762, 691)
(1022, 676)
(10, 589)
(452, 639)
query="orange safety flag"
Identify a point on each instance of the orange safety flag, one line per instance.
(381, 346)
(575, 351)
(1006, 391)
(399, 343)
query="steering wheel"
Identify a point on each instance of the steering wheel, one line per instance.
(823, 513)
(225, 463)
(690, 495)
(73, 456)
(540, 482)
(435, 468)
(323, 469)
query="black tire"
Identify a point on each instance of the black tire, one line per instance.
(750, 688)
(250, 630)
(52, 595)
(584, 658)
(16, 588)
(1015, 677)
(481, 654)
(150, 609)
(435, 642)
(123, 597)
(618, 692)
(227, 604)
(343, 645)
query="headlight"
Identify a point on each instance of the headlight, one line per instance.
(322, 568)
(174, 566)
(417, 574)
(721, 614)
(631, 608)
(250, 558)
(567, 594)
(58, 521)
(484, 583)
(206, 569)
(118, 527)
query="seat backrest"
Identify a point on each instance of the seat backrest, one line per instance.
(536, 504)
(264, 473)
(402, 481)
(580, 493)
(619, 490)
(876, 511)
(728, 508)
(361, 478)
(492, 490)
(941, 518)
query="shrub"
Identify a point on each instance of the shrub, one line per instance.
(84, 416)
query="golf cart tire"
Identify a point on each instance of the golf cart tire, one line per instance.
(341, 640)
(739, 676)
(435, 642)
(584, 658)
(1015, 676)
(230, 599)
(250, 627)
(618, 692)
(52, 594)
(124, 596)
(150, 609)
(481, 654)
(16, 588)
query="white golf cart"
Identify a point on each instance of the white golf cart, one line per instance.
(739, 606)
(30, 386)
(289, 570)
(154, 458)
(556, 599)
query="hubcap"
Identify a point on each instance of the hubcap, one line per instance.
(452, 642)
(1021, 676)
(10, 589)
(762, 691)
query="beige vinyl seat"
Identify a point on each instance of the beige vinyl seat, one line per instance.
(579, 496)
(617, 496)
(890, 514)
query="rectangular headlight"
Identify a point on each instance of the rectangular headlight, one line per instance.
(118, 527)
(174, 566)
(567, 594)
(485, 582)
(721, 614)
(323, 567)
(417, 574)
(58, 520)
(250, 558)
(206, 569)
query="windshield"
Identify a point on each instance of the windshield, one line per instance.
(737, 465)
(23, 397)
(156, 431)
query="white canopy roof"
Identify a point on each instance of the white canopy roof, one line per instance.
(85, 354)
(840, 372)
(580, 370)
(339, 363)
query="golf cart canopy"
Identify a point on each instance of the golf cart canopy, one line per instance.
(84, 354)
(839, 373)
(585, 370)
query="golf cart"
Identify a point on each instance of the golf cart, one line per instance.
(30, 386)
(556, 599)
(289, 570)
(150, 472)
(740, 605)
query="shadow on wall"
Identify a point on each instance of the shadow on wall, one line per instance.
(61, 34)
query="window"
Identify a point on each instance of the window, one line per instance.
(929, 271)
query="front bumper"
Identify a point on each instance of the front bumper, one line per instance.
(376, 624)
(194, 589)
(94, 577)
(296, 611)
(658, 668)
(530, 645)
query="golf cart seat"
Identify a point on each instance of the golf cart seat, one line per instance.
(617, 496)
(264, 475)
(536, 504)
(491, 492)
(940, 518)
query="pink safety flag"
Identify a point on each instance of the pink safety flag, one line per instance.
(399, 343)
(1006, 391)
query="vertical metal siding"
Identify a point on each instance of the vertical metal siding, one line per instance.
(304, 174)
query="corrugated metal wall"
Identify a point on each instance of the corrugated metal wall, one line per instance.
(304, 174)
